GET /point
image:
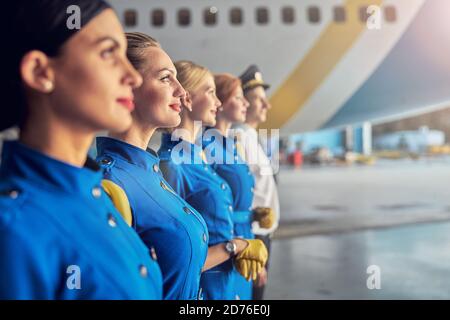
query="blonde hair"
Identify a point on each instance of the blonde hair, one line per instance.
(191, 75)
(137, 44)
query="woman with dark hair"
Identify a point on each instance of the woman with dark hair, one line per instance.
(60, 235)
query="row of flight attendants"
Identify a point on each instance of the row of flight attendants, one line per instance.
(186, 213)
(60, 235)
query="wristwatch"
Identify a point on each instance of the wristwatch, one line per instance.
(231, 248)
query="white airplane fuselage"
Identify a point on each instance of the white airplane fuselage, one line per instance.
(315, 68)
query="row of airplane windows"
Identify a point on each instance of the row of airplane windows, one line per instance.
(236, 16)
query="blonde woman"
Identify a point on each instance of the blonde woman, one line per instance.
(201, 187)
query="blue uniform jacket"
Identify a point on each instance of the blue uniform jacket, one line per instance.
(62, 238)
(222, 154)
(198, 183)
(168, 225)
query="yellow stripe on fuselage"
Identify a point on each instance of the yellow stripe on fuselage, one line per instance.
(332, 45)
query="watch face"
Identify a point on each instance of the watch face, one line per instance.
(231, 247)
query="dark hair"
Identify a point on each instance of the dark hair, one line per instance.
(34, 25)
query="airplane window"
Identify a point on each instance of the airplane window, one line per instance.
(158, 17)
(210, 16)
(339, 14)
(130, 18)
(184, 17)
(236, 16)
(314, 14)
(262, 15)
(390, 14)
(363, 15)
(288, 15)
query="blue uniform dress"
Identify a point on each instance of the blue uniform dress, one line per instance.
(168, 225)
(203, 189)
(62, 238)
(222, 154)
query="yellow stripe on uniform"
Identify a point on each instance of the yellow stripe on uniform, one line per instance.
(308, 75)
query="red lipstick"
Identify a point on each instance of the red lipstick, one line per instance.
(127, 103)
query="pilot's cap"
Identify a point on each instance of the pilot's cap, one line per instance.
(252, 78)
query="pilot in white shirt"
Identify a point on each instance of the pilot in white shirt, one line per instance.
(265, 190)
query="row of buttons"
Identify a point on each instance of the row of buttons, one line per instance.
(185, 209)
(107, 161)
(143, 271)
(112, 222)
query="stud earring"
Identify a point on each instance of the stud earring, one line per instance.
(48, 86)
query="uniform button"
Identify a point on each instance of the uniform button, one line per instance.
(237, 297)
(187, 210)
(96, 192)
(223, 186)
(230, 208)
(205, 237)
(153, 253)
(111, 220)
(155, 168)
(105, 161)
(163, 185)
(169, 150)
(13, 194)
(143, 271)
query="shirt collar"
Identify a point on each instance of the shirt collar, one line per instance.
(145, 159)
(23, 162)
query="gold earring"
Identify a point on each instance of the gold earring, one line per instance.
(48, 86)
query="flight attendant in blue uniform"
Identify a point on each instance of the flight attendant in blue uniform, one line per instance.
(225, 159)
(173, 230)
(221, 145)
(184, 167)
(60, 235)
